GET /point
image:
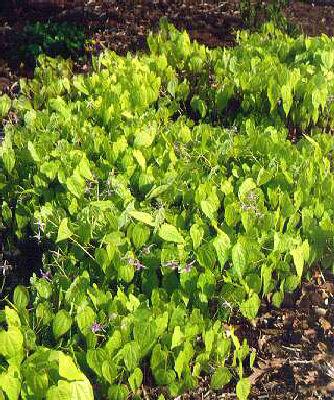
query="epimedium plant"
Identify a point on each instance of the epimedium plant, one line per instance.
(255, 13)
(279, 80)
(29, 371)
(159, 220)
(52, 38)
(117, 339)
(283, 81)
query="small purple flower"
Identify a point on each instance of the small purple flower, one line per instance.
(136, 263)
(147, 249)
(46, 275)
(139, 266)
(96, 327)
(189, 266)
(172, 264)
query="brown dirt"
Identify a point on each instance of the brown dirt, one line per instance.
(312, 19)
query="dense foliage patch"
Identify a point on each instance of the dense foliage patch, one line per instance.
(164, 208)
(51, 38)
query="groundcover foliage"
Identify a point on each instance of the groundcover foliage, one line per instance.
(163, 208)
(51, 38)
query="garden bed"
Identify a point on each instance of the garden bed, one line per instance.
(159, 193)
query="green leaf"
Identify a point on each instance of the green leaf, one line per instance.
(37, 382)
(263, 176)
(327, 58)
(68, 370)
(136, 379)
(252, 359)
(177, 338)
(144, 333)
(81, 390)
(273, 93)
(10, 383)
(21, 297)
(50, 169)
(243, 389)
(11, 345)
(164, 377)
(170, 233)
(143, 217)
(138, 155)
(196, 234)
(171, 86)
(300, 254)
(287, 98)
(44, 288)
(249, 308)
(209, 209)
(246, 186)
(61, 391)
(161, 322)
(277, 299)
(140, 235)
(222, 245)
(76, 184)
(118, 392)
(85, 319)
(223, 348)
(183, 359)
(239, 259)
(8, 157)
(198, 105)
(144, 138)
(206, 255)
(12, 318)
(131, 354)
(7, 214)
(64, 231)
(102, 258)
(206, 282)
(95, 359)
(84, 169)
(109, 371)
(220, 378)
(33, 152)
(158, 358)
(114, 342)
(291, 283)
(126, 272)
(209, 339)
(5, 104)
(61, 323)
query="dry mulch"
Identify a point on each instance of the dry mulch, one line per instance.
(311, 18)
